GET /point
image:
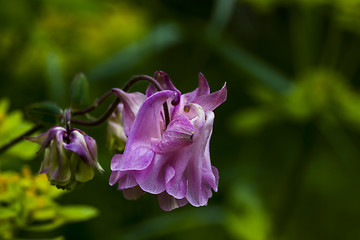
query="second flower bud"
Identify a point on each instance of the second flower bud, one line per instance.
(69, 158)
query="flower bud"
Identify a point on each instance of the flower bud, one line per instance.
(120, 122)
(69, 158)
(116, 137)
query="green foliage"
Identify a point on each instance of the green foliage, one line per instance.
(11, 126)
(27, 203)
(321, 95)
(77, 213)
(44, 113)
(247, 219)
(176, 223)
(79, 92)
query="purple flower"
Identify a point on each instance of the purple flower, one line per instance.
(171, 161)
(69, 158)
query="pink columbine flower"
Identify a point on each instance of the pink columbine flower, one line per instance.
(171, 161)
(69, 158)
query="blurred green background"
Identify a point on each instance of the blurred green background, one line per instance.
(285, 142)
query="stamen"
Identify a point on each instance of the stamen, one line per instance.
(187, 108)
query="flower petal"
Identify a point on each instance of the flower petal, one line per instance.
(84, 146)
(179, 160)
(115, 162)
(138, 154)
(203, 89)
(83, 171)
(125, 179)
(211, 101)
(45, 164)
(216, 175)
(92, 148)
(137, 159)
(164, 81)
(178, 184)
(45, 138)
(168, 203)
(114, 177)
(152, 178)
(147, 122)
(196, 114)
(199, 190)
(131, 103)
(133, 193)
(60, 168)
(179, 134)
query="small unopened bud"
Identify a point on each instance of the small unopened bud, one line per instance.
(115, 131)
(69, 158)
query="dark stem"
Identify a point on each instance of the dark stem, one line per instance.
(100, 120)
(67, 120)
(135, 79)
(166, 114)
(19, 138)
(117, 101)
(154, 82)
(97, 103)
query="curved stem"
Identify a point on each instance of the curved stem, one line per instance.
(166, 114)
(125, 88)
(135, 79)
(113, 106)
(154, 82)
(97, 103)
(100, 120)
(19, 138)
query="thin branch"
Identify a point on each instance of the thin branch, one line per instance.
(155, 83)
(135, 79)
(97, 103)
(19, 138)
(100, 120)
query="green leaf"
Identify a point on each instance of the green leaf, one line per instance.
(44, 214)
(45, 227)
(77, 213)
(46, 113)
(12, 125)
(79, 92)
(65, 214)
(247, 217)
(6, 213)
(253, 67)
